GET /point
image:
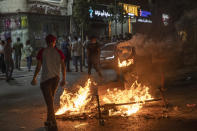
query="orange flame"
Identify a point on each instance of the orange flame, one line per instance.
(125, 63)
(77, 102)
(136, 92)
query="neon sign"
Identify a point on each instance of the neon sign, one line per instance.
(165, 19)
(145, 13)
(91, 12)
(102, 13)
(144, 20)
(99, 13)
(131, 9)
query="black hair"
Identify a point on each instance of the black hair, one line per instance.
(9, 38)
(3, 42)
(75, 37)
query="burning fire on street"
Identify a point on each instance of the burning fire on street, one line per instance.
(76, 103)
(125, 63)
(137, 93)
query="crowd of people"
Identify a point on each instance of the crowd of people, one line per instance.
(82, 54)
(7, 51)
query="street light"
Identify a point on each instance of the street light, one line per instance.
(115, 17)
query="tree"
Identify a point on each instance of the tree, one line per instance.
(81, 15)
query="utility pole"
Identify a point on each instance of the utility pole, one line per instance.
(115, 18)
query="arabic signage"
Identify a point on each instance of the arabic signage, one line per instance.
(144, 20)
(98, 13)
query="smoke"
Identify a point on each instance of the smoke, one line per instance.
(154, 58)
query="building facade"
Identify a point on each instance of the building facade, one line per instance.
(33, 20)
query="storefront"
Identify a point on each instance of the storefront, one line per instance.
(33, 27)
(41, 25)
(99, 20)
(14, 26)
(137, 20)
(143, 22)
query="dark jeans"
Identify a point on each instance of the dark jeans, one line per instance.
(2, 63)
(48, 89)
(29, 61)
(95, 63)
(17, 59)
(9, 68)
(76, 59)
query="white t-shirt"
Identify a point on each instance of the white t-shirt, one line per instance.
(51, 62)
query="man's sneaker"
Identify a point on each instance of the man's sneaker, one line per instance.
(50, 126)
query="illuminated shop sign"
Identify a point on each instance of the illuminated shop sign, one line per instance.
(131, 9)
(144, 20)
(99, 13)
(165, 19)
(145, 13)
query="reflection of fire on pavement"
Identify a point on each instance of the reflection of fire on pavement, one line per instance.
(81, 102)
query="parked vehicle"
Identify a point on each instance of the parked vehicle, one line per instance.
(107, 56)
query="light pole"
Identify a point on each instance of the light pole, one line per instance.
(115, 18)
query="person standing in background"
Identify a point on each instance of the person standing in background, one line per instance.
(93, 54)
(85, 51)
(2, 62)
(66, 48)
(8, 59)
(18, 46)
(28, 54)
(77, 53)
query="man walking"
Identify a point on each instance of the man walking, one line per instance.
(8, 59)
(51, 60)
(18, 46)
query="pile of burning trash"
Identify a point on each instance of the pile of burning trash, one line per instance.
(83, 104)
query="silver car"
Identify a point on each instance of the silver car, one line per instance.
(107, 55)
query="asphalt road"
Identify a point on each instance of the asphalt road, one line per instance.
(22, 108)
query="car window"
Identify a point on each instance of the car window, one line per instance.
(108, 48)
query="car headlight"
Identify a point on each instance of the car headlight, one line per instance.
(109, 58)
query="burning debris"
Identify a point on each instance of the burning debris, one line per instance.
(137, 93)
(122, 102)
(75, 103)
(125, 63)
